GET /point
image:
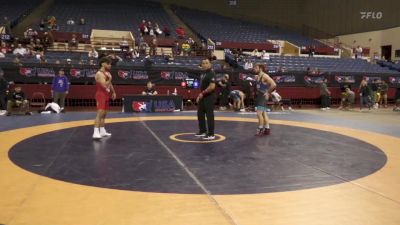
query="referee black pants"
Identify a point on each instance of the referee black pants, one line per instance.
(206, 108)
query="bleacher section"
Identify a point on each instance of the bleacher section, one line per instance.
(219, 29)
(77, 58)
(324, 64)
(17, 9)
(390, 65)
(112, 15)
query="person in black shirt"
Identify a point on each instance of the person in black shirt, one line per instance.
(206, 101)
(18, 99)
(3, 91)
(149, 89)
(225, 91)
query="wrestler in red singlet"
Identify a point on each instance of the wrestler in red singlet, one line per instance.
(104, 91)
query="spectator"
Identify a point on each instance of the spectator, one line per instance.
(42, 25)
(153, 46)
(51, 22)
(248, 65)
(325, 95)
(359, 51)
(149, 89)
(47, 40)
(30, 33)
(365, 95)
(384, 88)
(60, 89)
(70, 21)
(265, 55)
(132, 54)
(4, 48)
(311, 51)
(82, 21)
(176, 50)
(3, 92)
(186, 48)
(73, 43)
(7, 25)
(374, 89)
(166, 31)
(224, 93)
(143, 28)
(20, 51)
(143, 47)
(255, 53)
(157, 29)
(93, 54)
(18, 99)
(347, 100)
(180, 32)
(69, 62)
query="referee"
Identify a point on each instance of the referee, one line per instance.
(206, 101)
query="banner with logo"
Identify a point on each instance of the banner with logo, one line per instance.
(140, 103)
(175, 76)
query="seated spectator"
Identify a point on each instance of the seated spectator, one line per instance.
(142, 27)
(255, 53)
(149, 89)
(166, 31)
(348, 98)
(180, 32)
(4, 48)
(157, 29)
(51, 22)
(93, 54)
(47, 40)
(30, 33)
(73, 43)
(265, 55)
(42, 25)
(132, 54)
(17, 61)
(143, 46)
(186, 48)
(70, 22)
(124, 45)
(248, 65)
(20, 51)
(68, 62)
(17, 99)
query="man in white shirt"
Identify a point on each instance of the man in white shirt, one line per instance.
(359, 51)
(265, 55)
(248, 65)
(93, 54)
(20, 50)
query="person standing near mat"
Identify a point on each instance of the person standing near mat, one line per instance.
(60, 88)
(206, 101)
(104, 88)
(265, 86)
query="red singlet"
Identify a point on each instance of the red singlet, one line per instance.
(102, 94)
